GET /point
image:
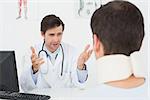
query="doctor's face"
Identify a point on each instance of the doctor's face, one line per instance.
(53, 38)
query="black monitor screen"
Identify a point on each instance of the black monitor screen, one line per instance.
(8, 72)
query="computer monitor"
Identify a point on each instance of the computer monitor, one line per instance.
(8, 72)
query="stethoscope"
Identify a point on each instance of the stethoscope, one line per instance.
(47, 55)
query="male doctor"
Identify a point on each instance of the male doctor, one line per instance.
(54, 64)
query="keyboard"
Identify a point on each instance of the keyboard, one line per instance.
(22, 96)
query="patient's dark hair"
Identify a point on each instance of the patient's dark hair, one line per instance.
(51, 21)
(119, 26)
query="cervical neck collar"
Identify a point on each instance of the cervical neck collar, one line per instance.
(118, 67)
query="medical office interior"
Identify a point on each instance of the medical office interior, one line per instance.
(20, 33)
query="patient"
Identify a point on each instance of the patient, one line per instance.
(118, 32)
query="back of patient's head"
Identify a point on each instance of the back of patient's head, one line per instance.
(51, 21)
(119, 26)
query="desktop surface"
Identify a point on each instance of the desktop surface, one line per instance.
(102, 92)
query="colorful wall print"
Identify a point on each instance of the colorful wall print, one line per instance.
(22, 4)
(87, 7)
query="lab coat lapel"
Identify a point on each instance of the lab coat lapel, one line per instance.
(53, 71)
(49, 75)
(58, 63)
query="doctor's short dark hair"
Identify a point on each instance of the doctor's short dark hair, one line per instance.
(51, 21)
(119, 26)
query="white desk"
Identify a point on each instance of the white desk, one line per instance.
(61, 93)
(93, 94)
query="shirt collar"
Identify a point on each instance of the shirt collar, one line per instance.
(50, 53)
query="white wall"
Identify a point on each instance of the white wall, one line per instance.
(21, 34)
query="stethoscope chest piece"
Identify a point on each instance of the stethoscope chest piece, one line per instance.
(44, 67)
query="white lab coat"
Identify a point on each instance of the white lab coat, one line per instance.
(53, 79)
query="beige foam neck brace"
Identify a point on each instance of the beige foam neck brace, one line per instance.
(118, 67)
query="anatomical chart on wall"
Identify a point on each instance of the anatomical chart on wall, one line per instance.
(22, 9)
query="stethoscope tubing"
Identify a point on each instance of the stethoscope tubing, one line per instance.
(62, 64)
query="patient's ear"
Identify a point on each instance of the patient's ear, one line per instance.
(96, 43)
(98, 47)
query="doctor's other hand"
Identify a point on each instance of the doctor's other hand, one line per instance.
(84, 56)
(36, 61)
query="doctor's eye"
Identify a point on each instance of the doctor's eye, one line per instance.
(52, 34)
(59, 34)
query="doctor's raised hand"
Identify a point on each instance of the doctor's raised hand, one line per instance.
(36, 61)
(84, 56)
